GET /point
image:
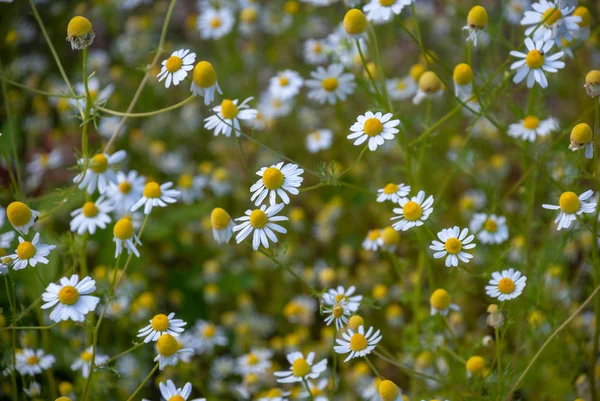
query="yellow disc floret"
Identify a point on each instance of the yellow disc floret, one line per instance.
(219, 218)
(300, 367)
(412, 211)
(373, 127)
(355, 322)
(593, 77)
(429, 82)
(152, 190)
(68, 295)
(490, 226)
(463, 74)
(258, 218)
(355, 22)
(205, 75)
(79, 27)
(476, 365)
(167, 345)
(453, 245)
(90, 209)
(330, 84)
(123, 229)
(173, 64)
(531, 122)
(416, 71)
(160, 322)
(18, 214)
(390, 236)
(534, 59)
(506, 285)
(358, 342)
(26, 250)
(584, 14)
(388, 391)
(99, 163)
(125, 187)
(551, 16)
(272, 178)
(581, 133)
(569, 202)
(440, 299)
(477, 18)
(228, 109)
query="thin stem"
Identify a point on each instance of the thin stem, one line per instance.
(371, 366)
(137, 390)
(127, 351)
(88, 107)
(499, 360)
(148, 113)
(380, 98)
(362, 152)
(408, 371)
(18, 179)
(38, 91)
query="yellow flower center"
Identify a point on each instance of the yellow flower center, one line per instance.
(581, 133)
(215, 22)
(160, 322)
(490, 226)
(429, 82)
(205, 75)
(453, 245)
(152, 190)
(463, 74)
(185, 181)
(284, 81)
(317, 48)
(401, 85)
(33, 360)
(534, 59)
(358, 342)
(248, 15)
(272, 178)
(90, 209)
(176, 397)
(355, 322)
(44, 159)
(390, 189)
(340, 297)
(390, 236)
(355, 22)
(373, 235)
(416, 71)
(219, 219)
(258, 218)
(253, 359)
(475, 364)
(373, 127)
(173, 63)
(477, 18)
(99, 163)
(86, 356)
(228, 109)
(79, 26)
(506, 285)
(440, 299)
(209, 331)
(388, 391)
(584, 13)
(167, 345)
(68, 295)
(386, 3)
(125, 187)
(330, 84)
(412, 211)
(338, 311)
(551, 15)
(569, 202)
(274, 393)
(26, 250)
(531, 122)
(18, 214)
(123, 229)
(300, 367)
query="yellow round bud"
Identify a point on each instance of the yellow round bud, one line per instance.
(463, 74)
(581, 133)
(205, 75)
(476, 365)
(355, 22)
(388, 391)
(429, 82)
(477, 18)
(78, 27)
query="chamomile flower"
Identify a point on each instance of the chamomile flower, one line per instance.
(21, 217)
(286, 84)
(393, 192)
(301, 368)
(176, 67)
(125, 237)
(80, 33)
(412, 212)
(275, 394)
(98, 95)
(515, 9)
(401, 88)
(161, 324)
(355, 24)
(357, 344)
(583, 33)
(156, 195)
(204, 82)
(84, 362)
(215, 23)
(454, 242)
(209, 336)
(190, 187)
(260, 222)
(315, 51)
(228, 115)
(382, 11)
(32, 362)
(169, 351)
(257, 362)
(389, 391)
(582, 138)
(388, 239)
(30, 253)
(277, 181)
(571, 206)
(441, 303)
(339, 313)
(222, 225)
(376, 128)
(42, 162)
(548, 21)
(70, 299)
(371, 242)
(34, 390)
(477, 20)
(463, 80)
(126, 191)
(335, 295)
(490, 229)
(318, 140)
(506, 285)
(170, 393)
(99, 173)
(430, 87)
(532, 127)
(6, 238)
(328, 86)
(91, 216)
(535, 62)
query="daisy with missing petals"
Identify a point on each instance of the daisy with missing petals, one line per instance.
(339, 313)
(170, 393)
(506, 285)
(70, 299)
(21, 217)
(529, 128)
(335, 295)
(159, 325)
(125, 237)
(222, 225)
(156, 195)
(204, 82)
(91, 216)
(392, 192)
(99, 174)
(318, 140)
(490, 229)
(84, 362)
(30, 253)
(126, 191)
(32, 362)
(441, 303)
(257, 362)
(453, 242)
(301, 368)
(477, 20)
(371, 242)
(358, 344)
(535, 62)
(262, 222)
(277, 181)
(286, 84)
(214, 24)
(169, 351)
(208, 336)
(228, 115)
(549, 21)
(582, 137)
(382, 11)
(327, 86)
(413, 212)
(571, 206)
(377, 128)
(176, 67)
(402, 88)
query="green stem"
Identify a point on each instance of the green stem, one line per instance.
(137, 390)
(380, 98)
(38, 91)
(371, 366)
(18, 180)
(308, 389)
(499, 360)
(127, 351)
(88, 107)
(148, 113)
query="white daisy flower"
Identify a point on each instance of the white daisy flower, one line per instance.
(535, 62)
(34, 390)
(214, 24)
(286, 84)
(371, 241)
(161, 324)
(335, 295)
(125, 237)
(571, 206)
(393, 192)
(377, 128)
(170, 393)
(274, 107)
(315, 51)
(21, 217)
(506, 285)
(582, 137)
(441, 303)
(204, 82)
(301, 368)
(70, 299)
(249, 19)
(42, 162)
(453, 242)
(275, 394)
(176, 67)
(222, 225)
(531, 127)
(430, 87)
(262, 222)
(357, 344)
(276, 181)
(318, 140)
(30, 253)
(257, 362)
(402, 88)
(558, 23)
(490, 229)
(84, 362)
(382, 11)
(318, 390)
(98, 95)
(191, 188)
(91, 216)
(156, 195)
(99, 174)
(515, 9)
(413, 212)
(169, 351)
(33, 362)
(477, 20)
(209, 336)
(126, 191)
(228, 115)
(328, 86)
(339, 313)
